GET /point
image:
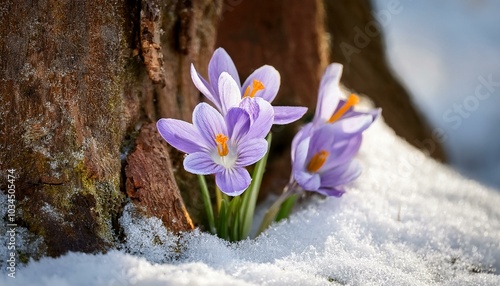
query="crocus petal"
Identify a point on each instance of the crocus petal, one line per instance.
(251, 151)
(301, 154)
(329, 93)
(233, 182)
(219, 63)
(238, 123)
(269, 77)
(343, 151)
(182, 135)
(356, 121)
(204, 87)
(209, 123)
(306, 180)
(375, 113)
(264, 121)
(322, 139)
(229, 92)
(353, 125)
(251, 106)
(201, 163)
(341, 175)
(288, 114)
(331, 191)
(304, 132)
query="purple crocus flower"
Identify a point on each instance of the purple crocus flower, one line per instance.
(263, 83)
(217, 145)
(324, 161)
(323, 150)
(330, 109)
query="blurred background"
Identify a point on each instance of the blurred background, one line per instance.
(433, 66)
(447, 54)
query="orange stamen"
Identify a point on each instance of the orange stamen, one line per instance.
(221, 141)
(317, 161)
(351, 101)
(256, 86)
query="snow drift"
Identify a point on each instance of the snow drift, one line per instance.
(406, 221)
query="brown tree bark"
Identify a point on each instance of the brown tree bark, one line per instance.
(78, 79)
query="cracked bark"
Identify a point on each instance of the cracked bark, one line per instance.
(80, 84)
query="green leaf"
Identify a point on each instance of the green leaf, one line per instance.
(286, 207)
(208, 204)
(223, 218)
(233, 218)
(250, 195)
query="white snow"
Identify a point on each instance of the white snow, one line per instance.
(406, 221)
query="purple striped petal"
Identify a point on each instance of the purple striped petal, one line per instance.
(251, 106)
(301, 154)
(209, 123)
(308, 181)
(229, 92)
(204, 87)
(343, 152)
(238, 123)
(269, 77)
(219, 63)
(341, 175)
(305, 179)
(233, 182)
(331, 191)
(201, 163)
(329, 93)
(288, 114)
(353, 125)
(322, 139)
(264, 121)
(303, 133)
(181, 135)
(251, 151)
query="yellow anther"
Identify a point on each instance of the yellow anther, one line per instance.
(317, 161)
(351, 101)
(221, 141)
(256, 86)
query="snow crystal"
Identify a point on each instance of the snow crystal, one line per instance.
(406, 221)
(147, 237)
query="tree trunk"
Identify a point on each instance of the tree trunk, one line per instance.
(78, 80)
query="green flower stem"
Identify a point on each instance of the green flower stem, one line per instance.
(208, 204)
(219, 196)
(273, 211)
(251, 194)
(286, 207)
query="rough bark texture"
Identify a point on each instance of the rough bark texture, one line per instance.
(358, 44)
(151, 182)
(61, 87)
(189, 34)
(76, 82)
